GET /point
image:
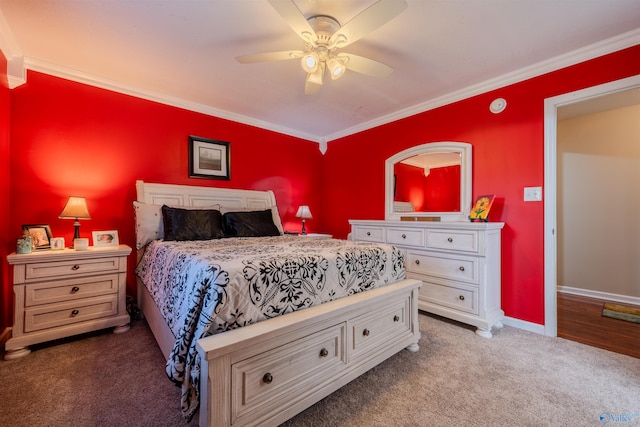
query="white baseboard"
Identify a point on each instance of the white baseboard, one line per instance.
(600, 295)
(522, 324)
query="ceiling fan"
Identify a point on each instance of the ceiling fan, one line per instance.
(323, 36)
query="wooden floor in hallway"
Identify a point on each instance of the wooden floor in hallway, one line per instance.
(580, 319)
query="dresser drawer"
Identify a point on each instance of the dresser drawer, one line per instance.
(406, 237)
(71, 289)
(44, 270)
(374, 329)
(459, 298)
(368, 234)
(453, 240)
(451, 267)
(52, 315)
(284, 374)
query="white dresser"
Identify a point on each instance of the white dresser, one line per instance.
(458, 262)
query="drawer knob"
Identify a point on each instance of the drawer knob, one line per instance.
(75, 267)
(404, 236)
(396, 318)
(368, 233)
(417, 262)
(450, 240)
(75, 289)
(461, 268)
(324, 352)
(461, 297)
(74, 313)
(366, 332)
(267, 378)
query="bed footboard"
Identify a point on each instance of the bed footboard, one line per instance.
(266, 373)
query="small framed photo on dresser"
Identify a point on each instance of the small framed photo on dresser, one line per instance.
(105, 238)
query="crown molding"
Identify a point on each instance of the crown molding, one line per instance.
(92, 80)
(586, 53)
(16, 73)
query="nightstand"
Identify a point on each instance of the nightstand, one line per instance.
(59, 293)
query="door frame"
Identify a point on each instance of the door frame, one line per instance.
(551, 106)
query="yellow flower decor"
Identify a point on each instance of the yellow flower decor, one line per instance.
(480, 211)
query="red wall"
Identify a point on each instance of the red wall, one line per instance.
(508, 151)
(72, 139)
(6, 295)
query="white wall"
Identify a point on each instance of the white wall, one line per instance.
(599, 202)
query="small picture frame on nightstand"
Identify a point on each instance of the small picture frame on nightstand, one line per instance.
(105, 238)
(40, 235)
(57, 243)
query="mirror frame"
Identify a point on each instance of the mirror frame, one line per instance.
(466, 169)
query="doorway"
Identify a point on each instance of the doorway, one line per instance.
(584, 99)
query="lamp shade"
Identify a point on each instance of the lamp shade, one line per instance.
(304, 212)
(76, 207)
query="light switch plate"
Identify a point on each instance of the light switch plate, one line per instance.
(532, 194)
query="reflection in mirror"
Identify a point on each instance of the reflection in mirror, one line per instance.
(431, 180)
(428, 182)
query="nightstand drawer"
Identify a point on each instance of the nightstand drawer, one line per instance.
(53, 315)
(453, 240)
(459, 267)
(72, 289)
(43, 270)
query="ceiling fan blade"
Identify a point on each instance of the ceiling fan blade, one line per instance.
(363, 65)
(288, 10)
(270, 56)
(314, 80)
(366, 21)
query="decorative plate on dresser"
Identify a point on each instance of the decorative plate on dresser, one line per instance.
(67, 292)
(458, 263)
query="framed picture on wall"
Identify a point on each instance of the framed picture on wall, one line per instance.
(105, 238)
(208, 158)
(40, 235)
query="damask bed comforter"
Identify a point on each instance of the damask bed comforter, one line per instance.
(207, 287)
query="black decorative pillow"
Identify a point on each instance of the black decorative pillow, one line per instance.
(191, 224)
(249, 224)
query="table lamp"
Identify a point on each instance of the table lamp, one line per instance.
(303, 212)
(75, 209)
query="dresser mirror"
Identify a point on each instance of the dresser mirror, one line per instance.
(429, 182)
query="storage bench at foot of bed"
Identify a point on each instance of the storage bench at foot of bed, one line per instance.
(268, 372)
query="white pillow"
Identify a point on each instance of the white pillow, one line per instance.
(149, 224)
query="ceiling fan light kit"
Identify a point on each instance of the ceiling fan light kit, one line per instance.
(323, 36)
(310, 62)
(335, 67)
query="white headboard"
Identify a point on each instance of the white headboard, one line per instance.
(193, 196)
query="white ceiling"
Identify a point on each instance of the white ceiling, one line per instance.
(182, 52)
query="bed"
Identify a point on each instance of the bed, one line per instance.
(257, 338)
